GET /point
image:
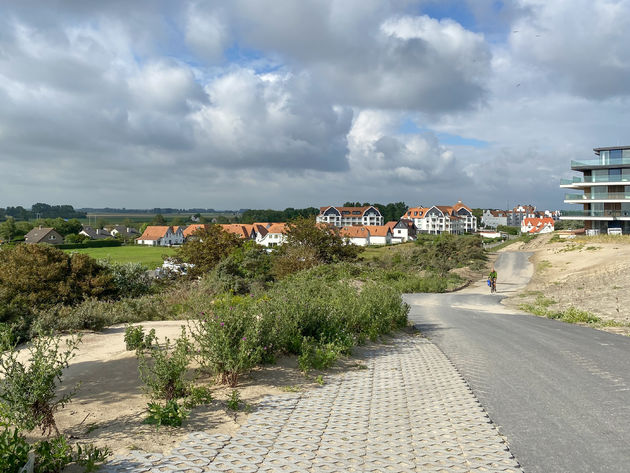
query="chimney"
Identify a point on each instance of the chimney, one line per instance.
(98, 231)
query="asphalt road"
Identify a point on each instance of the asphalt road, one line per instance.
(559, 393)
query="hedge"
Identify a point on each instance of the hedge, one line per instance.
(90, 244)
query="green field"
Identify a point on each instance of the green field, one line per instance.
(150, 256)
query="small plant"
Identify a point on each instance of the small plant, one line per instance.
(317, 356)
(234, 402)
(170, 414)
(290, 389)
(13, 450)
(28, 390)
(136, 339)
(198, 396)
(320, 380)
(53, 455)
(89, 456)
(163, 367)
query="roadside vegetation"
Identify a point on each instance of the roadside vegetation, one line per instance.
(314, 298)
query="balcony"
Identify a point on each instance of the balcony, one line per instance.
(609, 196)
(594, 180)
(602, 161)
(596, 213)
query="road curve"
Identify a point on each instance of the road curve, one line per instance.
(560, 393)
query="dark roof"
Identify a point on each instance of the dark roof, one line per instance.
(608, 148)
(40, 235)
(98, 234)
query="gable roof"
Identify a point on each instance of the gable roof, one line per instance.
(537, 223)
(420, 210)
(154, 232)
(95, 234)
(238, 229)
(460, 205)
(190, 229)
(277, 228)
(391, 225)
(38, 235)
(349, 211)
(356, 231)
(378, 230)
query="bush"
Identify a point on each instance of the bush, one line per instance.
(229, 337)
(292, 259)
(13, 450)
(39, 276)
(135, 338)
(130, 279)
(28, 391)
(208, 247)
(163, 367)
(170, 414)
(317, 356)
(246, 268)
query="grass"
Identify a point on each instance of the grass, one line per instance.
(541, 306)
(373, 252)
(150, 256)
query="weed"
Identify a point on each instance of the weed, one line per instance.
(234, 402)
(163, 367)
(290, 389)
(198, 396)
(13, 450)
(320, 380)
(136, 339)
(28, 390)
(170, 414)
(317, 356)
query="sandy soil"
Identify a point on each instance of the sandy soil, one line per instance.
(110, 406)
(590, 273)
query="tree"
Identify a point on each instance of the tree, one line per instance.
(8, 229)
(327, 242)
(158, 220)
(207, 248)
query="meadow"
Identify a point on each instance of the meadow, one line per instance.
(149, 256)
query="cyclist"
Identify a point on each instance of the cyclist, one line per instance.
(493, 280)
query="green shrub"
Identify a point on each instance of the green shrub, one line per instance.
(130, 279)
(13, 450)
(234, 402)
(163, 367)
(229, 337)
(52, 456)
(136, 339)
(170, 414)
(198, 396)
(28, 390)
(317, 356)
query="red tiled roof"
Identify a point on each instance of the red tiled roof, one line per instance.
(378, 230)
(190, 229)
(348, 209)
(277, 228)
(237, 229)
(154, 232)
(355, 231)
(537, 223)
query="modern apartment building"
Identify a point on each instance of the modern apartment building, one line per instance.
(604, 188)
(439, 219)
(349, 216)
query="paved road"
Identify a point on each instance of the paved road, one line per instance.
(406, 410)
(560, 393)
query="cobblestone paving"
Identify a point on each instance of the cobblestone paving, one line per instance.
(409, 411)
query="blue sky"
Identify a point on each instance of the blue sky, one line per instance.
(286, 104)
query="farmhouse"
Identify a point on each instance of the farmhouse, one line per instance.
(161, 235)
(43, 235)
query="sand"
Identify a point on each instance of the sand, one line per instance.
(589, 273)
(110, 406)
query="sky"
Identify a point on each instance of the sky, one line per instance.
(293, 103)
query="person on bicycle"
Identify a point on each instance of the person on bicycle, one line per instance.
(493, 280)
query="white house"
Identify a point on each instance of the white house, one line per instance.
(356, 235)
(493, 218)
(348, 216)
(443, 219)
(161, 235)
(402, 230)
(275, 234)
(537, 225)
(379, 234)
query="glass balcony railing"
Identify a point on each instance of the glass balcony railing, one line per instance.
(600, 162)
(609, 196)
(595, 179)
(596, 213)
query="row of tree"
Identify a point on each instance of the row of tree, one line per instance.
(41, 210)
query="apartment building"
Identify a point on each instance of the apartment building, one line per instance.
(350, 216)
(603, 191)
(439, 219)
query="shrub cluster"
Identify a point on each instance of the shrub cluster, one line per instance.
(304, 315)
